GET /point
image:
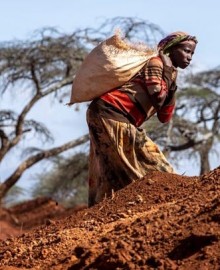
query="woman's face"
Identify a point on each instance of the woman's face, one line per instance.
(181, 55)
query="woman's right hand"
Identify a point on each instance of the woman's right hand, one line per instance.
(166, 59)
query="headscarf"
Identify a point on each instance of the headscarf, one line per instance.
(174, 39)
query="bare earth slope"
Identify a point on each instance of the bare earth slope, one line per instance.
(163, 221)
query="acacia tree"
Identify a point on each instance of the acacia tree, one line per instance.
(66, 183)
(203, 98)
(45, 66)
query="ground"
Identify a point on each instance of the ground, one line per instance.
(163, 221)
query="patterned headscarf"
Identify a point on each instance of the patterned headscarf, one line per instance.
(174, 39)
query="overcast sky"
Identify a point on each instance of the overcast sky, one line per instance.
(20, 18)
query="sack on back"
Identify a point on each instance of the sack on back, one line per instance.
(109, 65)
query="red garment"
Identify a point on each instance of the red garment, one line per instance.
(122, 101)
(165, 113)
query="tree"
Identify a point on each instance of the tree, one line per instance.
(42, 67)
(203, 98)
(66, 182)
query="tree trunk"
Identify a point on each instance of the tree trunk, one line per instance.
(12, 180)
(204, 156)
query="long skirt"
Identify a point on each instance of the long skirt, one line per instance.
(120, 153)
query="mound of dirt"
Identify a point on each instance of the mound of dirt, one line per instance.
(163, 221)
(27, 215)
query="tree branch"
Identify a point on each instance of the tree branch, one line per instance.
(191, 143)
(4, 143)
(28, 107)
(58, 86)
(11, 180)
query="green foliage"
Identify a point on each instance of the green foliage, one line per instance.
(66, 182)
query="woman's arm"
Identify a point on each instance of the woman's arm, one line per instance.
(160, 87)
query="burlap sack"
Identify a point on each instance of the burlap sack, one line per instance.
(109, 65)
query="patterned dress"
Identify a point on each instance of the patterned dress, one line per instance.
(120, 151)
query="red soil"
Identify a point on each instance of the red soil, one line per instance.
(163, 221)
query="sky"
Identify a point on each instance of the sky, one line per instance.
(20, 18)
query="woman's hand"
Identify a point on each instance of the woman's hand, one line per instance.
(166, 59)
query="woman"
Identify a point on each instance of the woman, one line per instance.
(120, 151)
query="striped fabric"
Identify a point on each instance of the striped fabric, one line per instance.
(156, 87)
